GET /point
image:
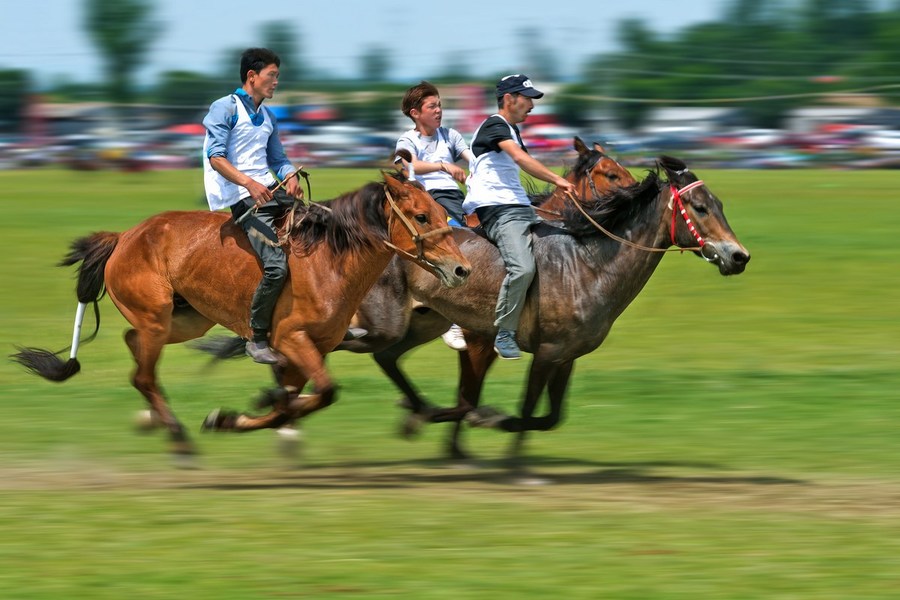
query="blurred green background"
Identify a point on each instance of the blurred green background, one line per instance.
(733, 438)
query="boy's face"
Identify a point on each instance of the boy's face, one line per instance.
(429, 115)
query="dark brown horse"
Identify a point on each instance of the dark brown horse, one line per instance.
(595, 173)
(586, 277)
(177, 274)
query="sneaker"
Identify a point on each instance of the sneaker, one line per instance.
(505, 345)
(454, 338)
(261, 353)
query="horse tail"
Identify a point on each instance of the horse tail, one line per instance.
(93, 253)
(220, 347)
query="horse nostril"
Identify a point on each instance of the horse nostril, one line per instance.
(461, 272)
(740, 258)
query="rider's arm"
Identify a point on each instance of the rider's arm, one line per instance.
(531, 165)
(420, 166)
(275, 154)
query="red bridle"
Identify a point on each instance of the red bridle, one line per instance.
(679, 204)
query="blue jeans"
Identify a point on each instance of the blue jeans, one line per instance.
(509, 228)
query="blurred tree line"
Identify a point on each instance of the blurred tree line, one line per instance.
(766, 56)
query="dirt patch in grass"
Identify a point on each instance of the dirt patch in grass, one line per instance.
(552, 484)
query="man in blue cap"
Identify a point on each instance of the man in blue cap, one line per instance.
(496, 195)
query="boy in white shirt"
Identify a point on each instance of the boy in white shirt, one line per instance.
(435, 151)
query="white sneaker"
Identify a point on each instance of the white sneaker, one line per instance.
(453, 337)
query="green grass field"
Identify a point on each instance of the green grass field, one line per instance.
(733, 438)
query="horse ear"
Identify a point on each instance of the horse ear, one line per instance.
(393, 184)
(599, 148)
(675, 168)
(580, 146)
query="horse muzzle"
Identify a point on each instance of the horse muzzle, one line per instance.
(452, 273)
(730, 257)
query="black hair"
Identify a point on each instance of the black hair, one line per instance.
(257, 59)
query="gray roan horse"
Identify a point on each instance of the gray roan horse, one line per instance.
(585, 280)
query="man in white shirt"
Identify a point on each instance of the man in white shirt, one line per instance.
(496, 195)
(241, 152)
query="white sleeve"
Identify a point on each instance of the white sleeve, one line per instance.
(457, 144)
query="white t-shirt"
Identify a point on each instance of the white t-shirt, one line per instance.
(446, 145)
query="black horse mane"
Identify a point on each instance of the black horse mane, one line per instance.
(612, 210)
(348, 223)
(581, 167)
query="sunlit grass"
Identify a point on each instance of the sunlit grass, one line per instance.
(733, 438)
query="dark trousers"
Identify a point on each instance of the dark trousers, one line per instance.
(452, 200)
(260, 229)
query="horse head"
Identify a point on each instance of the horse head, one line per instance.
(597, 171)
(698, 220)
(418, 231)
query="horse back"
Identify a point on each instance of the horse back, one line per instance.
(182, 250)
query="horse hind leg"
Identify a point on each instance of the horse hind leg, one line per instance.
(146, 347)
(474, 364)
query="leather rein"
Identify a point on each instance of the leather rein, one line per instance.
(675, 202)
(418, 238)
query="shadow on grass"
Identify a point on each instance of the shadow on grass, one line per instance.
(560, 471)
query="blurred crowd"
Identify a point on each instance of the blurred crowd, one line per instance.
(85, 137)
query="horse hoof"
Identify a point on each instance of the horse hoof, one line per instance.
(186, 462)
(485, 417)
(218, 420)
(530, 480)
(145, 421)
(412, 425)
(463, 461)
(211, 421)
(290, 441)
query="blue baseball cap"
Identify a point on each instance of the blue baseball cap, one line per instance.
(517, 84)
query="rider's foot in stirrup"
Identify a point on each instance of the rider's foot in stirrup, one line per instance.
(505, 345)
(454, 338)
(261, 353)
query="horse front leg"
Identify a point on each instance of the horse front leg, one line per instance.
(557, 383)
(539, 373)
(419, 409)
(304, 363)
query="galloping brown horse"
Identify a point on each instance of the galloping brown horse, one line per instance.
(586, 277)
(177, 274)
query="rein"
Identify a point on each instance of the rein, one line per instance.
(418, 238)
(676, 200)
(590, 182)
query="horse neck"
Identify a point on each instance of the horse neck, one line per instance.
(623, 270)
(557, 200)
(349, 274)
(359, 271)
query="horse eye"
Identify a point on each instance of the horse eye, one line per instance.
(612, 177)
(422, 218)
(701, 210)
